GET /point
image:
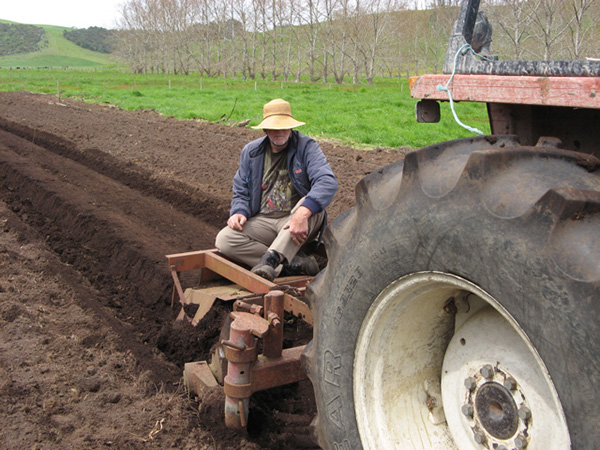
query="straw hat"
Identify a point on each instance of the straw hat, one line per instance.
(277, 115)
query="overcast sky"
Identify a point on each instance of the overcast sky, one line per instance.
(65, 13)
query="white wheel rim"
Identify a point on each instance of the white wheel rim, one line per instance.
(407, 341)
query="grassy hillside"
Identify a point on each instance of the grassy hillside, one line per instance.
(58, 53)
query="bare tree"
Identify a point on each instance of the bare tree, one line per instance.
(441, 29)
(240, 13)
(261, 28)
(157, 34)
(313, 29)
(142, 19)
(376, 32)
(432, 4)
(296, 21)
(204, 37)
(512, 20)
(339, 27)
(178, 20)
(278, 21)
(549, 24)
(354, 22)
(582, 26)
(433, 28)
(131, 39)
(325, 38)
(288, 36)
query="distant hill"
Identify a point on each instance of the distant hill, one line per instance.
(53, 49)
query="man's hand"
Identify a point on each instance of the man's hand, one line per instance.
(298, 225)
(236, 222)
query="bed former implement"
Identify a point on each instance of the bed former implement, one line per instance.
(250, 356)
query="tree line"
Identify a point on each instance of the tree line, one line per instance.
(338, 40)
(18, 38)
(97, 39)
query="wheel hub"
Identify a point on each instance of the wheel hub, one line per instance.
(497, 410)
(496, 395)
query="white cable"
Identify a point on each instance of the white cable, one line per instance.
(463, 49)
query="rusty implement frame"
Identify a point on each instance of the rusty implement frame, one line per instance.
(212, 264)
(258, 314)
(576, 92)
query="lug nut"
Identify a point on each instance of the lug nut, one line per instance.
(510, 384)
(470, 383)
(479, 437)
(524, 413)
(468, 410)
(521, 441)
(487, 371)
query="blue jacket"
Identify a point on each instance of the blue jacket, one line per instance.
(308, 168)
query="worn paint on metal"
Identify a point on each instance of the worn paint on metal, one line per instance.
(577, 92)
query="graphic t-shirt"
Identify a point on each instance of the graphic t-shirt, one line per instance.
(278, 192)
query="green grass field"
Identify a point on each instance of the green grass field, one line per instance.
(367, 116)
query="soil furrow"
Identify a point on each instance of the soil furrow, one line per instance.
(112, 234)
(181, 196)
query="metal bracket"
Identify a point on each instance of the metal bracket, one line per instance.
(427, 111)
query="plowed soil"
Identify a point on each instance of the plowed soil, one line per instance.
(91, 199)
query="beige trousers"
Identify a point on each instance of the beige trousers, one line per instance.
(262, 233)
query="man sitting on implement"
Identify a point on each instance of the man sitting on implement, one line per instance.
(280, 192)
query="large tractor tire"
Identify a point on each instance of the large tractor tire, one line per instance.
(460, 308)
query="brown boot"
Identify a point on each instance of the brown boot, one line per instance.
(267, 265)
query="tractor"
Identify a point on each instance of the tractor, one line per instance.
(460, 304)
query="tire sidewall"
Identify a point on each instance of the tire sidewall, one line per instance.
(506, 258)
